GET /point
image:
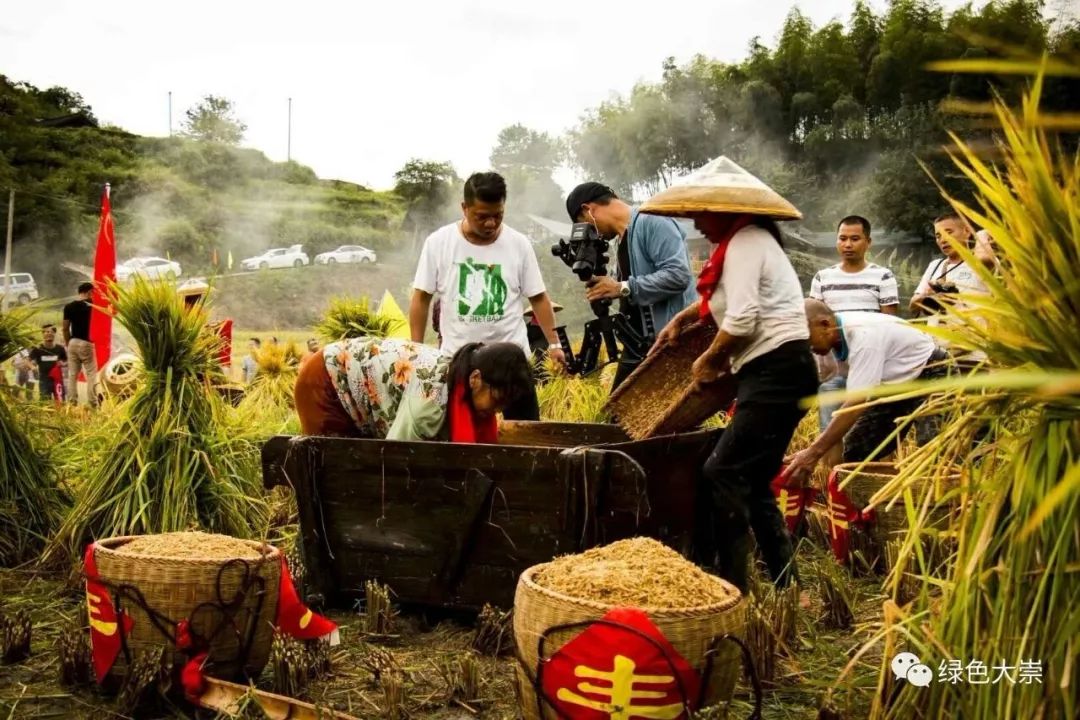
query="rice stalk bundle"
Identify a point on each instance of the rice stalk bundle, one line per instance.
(494, 631)
(571, 398)
(838, 595)
(173, 458)
(15, 633)
(378, 612)
(352, 318)
(148, 674)
(272, 390)
(75, 655)
(288, 661)
(31, 502)
(1009, 595)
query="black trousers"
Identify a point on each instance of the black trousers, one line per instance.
(526, 407)
(736, 494)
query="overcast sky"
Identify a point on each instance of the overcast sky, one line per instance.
(373, 83)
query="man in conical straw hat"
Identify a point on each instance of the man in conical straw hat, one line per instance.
(749, 289)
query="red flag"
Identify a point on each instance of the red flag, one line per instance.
(844, 517)
(104, 274)
(793, 499)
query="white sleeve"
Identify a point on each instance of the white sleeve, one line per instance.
(924, 284)
(427, 268)
(532, 282)
(815, 287)
(743, 266)
(866, 364)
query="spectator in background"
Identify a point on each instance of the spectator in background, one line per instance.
(949, 274)
(852, 285)
(47, 356)
(80, 350)
(311, 349)
(24, 373)
(250, 363)
(482, 271)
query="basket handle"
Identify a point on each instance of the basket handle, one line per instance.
(748, 666)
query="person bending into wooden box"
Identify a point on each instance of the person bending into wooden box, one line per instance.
(400, 390)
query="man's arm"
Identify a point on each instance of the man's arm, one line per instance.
(889, 294)
(664, 244)
(801, 465)
(66, 331)
(545, 318)
(893, 309)
(419, 305)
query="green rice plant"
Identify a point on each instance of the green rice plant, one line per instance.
(1010, 593)
(352, 318)
(272, 390)
(171, 457)
(31, 502)
(571, 398)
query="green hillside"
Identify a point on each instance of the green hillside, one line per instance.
(178, 196)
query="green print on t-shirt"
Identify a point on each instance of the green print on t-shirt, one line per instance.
(481, 292)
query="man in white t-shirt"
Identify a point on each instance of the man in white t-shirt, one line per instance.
(948, 274)
(852, 285)
(482, 271)
(879, 349)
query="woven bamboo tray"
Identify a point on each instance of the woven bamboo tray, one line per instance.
(193, 588)
(692, 631)
(890, 524)
(658, 398)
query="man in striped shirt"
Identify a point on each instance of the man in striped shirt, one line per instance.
(852, 285)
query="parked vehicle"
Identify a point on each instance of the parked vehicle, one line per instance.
(151, 268)
(346, 254)
(293, 256)
(23, 289)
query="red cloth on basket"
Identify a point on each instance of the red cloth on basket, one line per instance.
(105, 626)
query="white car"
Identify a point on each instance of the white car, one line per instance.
(346, 254)
(293, 256)
(151, 268)
(22, 287)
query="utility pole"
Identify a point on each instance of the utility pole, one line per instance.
(170, 113)
(288, 145)
(7, 254)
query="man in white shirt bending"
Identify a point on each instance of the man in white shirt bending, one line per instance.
(852, 285)
(482, 270)
(879, 350)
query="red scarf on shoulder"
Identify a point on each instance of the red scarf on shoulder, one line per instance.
(714, 268)
(465, 426)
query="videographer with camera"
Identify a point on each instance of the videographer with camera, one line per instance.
(653, 281)
(949, 274)
(481, 270)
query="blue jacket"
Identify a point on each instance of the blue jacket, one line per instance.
(661, 283)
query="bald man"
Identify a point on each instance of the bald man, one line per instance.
(880, 349)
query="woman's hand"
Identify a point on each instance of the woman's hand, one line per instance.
(708, 368)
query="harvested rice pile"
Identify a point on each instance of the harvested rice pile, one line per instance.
(190, 545)
(640, 572)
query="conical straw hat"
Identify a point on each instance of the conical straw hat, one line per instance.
(720, 186)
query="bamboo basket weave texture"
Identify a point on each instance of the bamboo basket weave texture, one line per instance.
(863, 482)
(690, 630)
(658, 397)
(176, 587)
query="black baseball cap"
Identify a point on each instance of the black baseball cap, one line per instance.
(586, 193)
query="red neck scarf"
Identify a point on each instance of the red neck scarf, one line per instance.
(714, 268)
(465, 426)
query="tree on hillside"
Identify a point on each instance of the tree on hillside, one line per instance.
(526, 159)
(213, 120)
(428, 189)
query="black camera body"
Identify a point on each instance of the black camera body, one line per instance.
(586, 254)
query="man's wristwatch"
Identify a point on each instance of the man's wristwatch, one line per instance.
(555, 346)
(624, 289)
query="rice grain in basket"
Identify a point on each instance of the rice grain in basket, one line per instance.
(692, 609)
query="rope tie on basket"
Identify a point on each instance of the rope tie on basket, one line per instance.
(581, 451)
(229, 609)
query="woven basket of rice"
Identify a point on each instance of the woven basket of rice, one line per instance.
(659, 398)
(860, 484)
(226, 588)
(696, 612)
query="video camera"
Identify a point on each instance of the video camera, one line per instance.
(586, 254)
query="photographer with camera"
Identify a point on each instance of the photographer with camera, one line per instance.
(481, 270)
(949, 274)
(653, 275)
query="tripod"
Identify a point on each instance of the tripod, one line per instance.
(603, 331)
